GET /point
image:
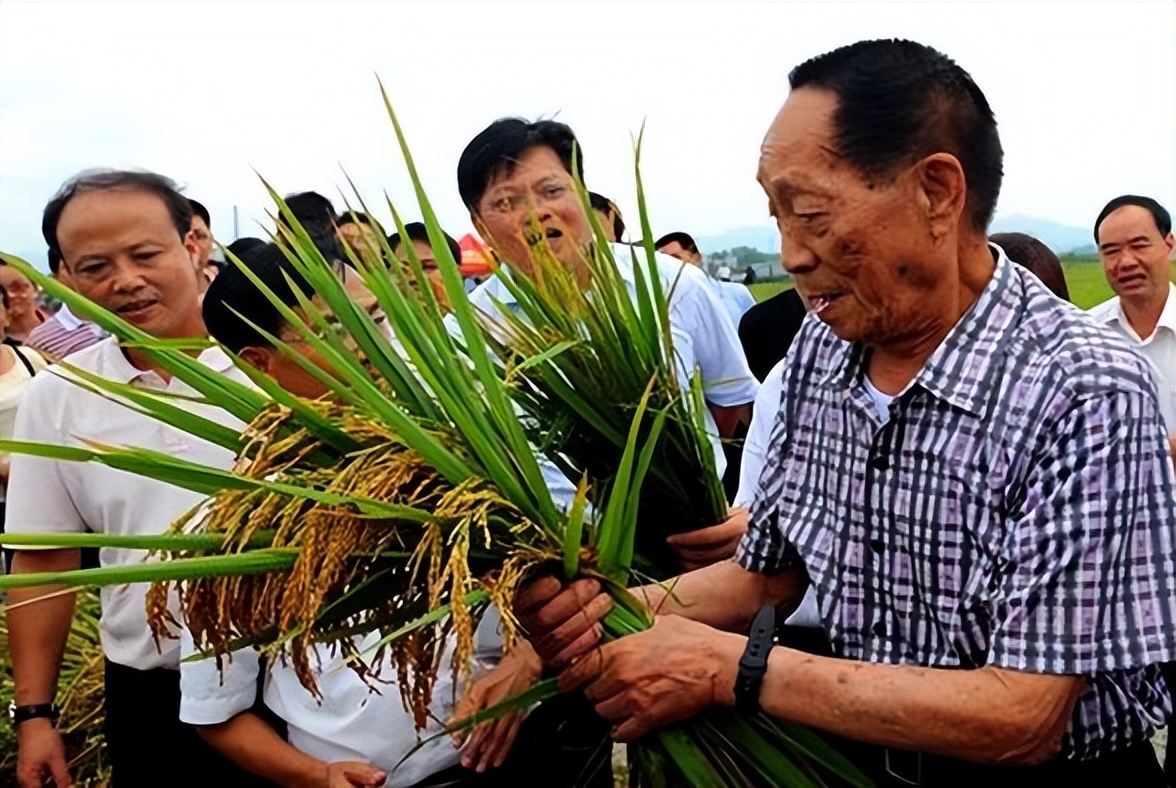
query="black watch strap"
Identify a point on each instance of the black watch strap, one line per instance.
(34, 711)
(754, 662)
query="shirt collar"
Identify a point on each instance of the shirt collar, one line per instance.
(114, 365)
(1112, 313)
(1168, 316)
(622, 253)
(68, 320)
(958, 369)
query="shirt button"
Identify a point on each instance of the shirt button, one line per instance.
(880, 629)
(880, 463)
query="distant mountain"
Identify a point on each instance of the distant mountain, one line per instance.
(1061, 238)
(765, 239)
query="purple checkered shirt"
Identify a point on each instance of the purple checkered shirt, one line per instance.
(1017, 509)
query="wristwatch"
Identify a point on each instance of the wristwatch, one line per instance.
(19, 714)
(754, 662)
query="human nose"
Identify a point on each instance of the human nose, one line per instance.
(795, 256)
(128, 279)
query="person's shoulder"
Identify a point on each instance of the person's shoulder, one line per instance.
(1070, 348)
(784, 309)
(1105, 311)
(36, 360)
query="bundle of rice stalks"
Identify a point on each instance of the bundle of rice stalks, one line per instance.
(79, 697)
(582, 359)
(405, 501)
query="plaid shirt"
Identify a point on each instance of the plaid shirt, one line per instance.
(1016, 510)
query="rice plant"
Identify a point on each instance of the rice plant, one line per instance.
(411, 496)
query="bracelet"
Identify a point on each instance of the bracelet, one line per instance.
(19, 714)
(754, 662)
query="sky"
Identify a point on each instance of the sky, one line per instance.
(215, 93)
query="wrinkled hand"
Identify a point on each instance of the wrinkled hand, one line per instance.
(490, 742)
(353, 774)
(40, 755)
(654, 678)
(561, 622)
(707, 546)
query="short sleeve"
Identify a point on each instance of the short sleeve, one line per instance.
(703, 329)
(1087, 585)
(39, 499)
(755, 444)
(210, 695)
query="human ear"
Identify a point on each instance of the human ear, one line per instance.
(942, 192)
(258, 357)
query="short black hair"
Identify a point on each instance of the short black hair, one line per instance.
(1033, 255)
(161, 186)
(416, 231)
(358, 217)
(54, 261)
(608, 208)
(499, 146)
(232, 292)
(314, 212)
(1161, 216)
(900, 101)
(199, 210)
(242, 247)
(685, 240)
(4, 294)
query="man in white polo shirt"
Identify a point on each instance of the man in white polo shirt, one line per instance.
(1134, 237)
(121, 237)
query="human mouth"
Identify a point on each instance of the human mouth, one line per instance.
(819, 303)
(136, 310)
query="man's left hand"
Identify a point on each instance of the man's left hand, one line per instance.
(671, 672)
(491, 741)
(706, 546)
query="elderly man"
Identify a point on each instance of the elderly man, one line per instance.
(972, 475)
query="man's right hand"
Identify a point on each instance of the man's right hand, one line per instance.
(40, 755)
(562, 622)
(353, 774)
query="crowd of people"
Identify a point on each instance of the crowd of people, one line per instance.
(953, 494)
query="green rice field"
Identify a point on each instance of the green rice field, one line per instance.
(1087, 285)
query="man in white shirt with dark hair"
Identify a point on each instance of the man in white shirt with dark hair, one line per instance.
(122, 238)
(1134, 237)
(515, 170)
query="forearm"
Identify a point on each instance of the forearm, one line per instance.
(986, 715)
(254, 746)
(724, 595)
(38, 630)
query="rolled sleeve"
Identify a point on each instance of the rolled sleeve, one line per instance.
(1088, 585)
(210, 695)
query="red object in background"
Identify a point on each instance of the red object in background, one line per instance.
(476, 259)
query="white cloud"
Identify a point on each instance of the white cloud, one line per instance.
(1084, 93)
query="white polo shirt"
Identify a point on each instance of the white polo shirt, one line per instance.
(703, 337)
(353, 721)
(48, 496)
(1159, 349)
